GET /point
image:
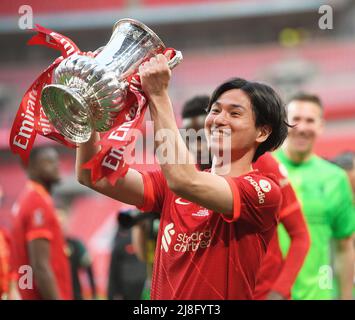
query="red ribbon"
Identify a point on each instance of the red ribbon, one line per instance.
(109, 161)
(30, 119)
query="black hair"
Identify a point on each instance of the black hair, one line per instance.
(268, 109)
(308, 97)
(195, 106)
(345, 160)
(35, 153)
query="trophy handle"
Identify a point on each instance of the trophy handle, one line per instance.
(172, 63)
(177, 59)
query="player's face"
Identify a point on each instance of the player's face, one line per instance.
(231, 119)
(198, 146)
(307, 118)
(48, 166)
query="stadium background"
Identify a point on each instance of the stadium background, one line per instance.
(276, 41)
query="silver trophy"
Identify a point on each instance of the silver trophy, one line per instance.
(88, 93)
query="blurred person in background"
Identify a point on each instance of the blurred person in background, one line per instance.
(144, 239)
(194, 113)
(4, 264)
(277, 274)
(346, 161)
(127, 273)
(8, 278)
(79, 257)
(4, 258)
(1, 195)
(326, 198)
(37, 235)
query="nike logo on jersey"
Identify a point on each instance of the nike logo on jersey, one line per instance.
(179, 201)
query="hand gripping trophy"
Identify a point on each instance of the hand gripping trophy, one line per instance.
(88, 93)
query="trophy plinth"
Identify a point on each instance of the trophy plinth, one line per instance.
(68, 112)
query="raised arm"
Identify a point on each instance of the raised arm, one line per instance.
(129, 189)
(206, 189)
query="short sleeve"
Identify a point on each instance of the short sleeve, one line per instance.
(342, 213)
(260, 200)
(39, 222)
(236, 200)
(267, 164)
(154, 191)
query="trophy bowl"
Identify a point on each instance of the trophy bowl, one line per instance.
(87, 93)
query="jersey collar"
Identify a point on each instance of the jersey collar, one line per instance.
(39, 189)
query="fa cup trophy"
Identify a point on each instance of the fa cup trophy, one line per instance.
(88, 93)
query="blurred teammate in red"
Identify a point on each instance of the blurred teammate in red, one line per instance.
(277, 275)
(4, 264)
(215, 226)
(39, 258)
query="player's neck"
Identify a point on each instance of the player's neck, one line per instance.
(234, 168)
(46, 186)
(297, 157)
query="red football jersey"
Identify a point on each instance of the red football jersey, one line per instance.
(35, 218)
(4, 263)
(202, 255)
(273, 261)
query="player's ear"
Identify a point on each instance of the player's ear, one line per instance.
(263, 133)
